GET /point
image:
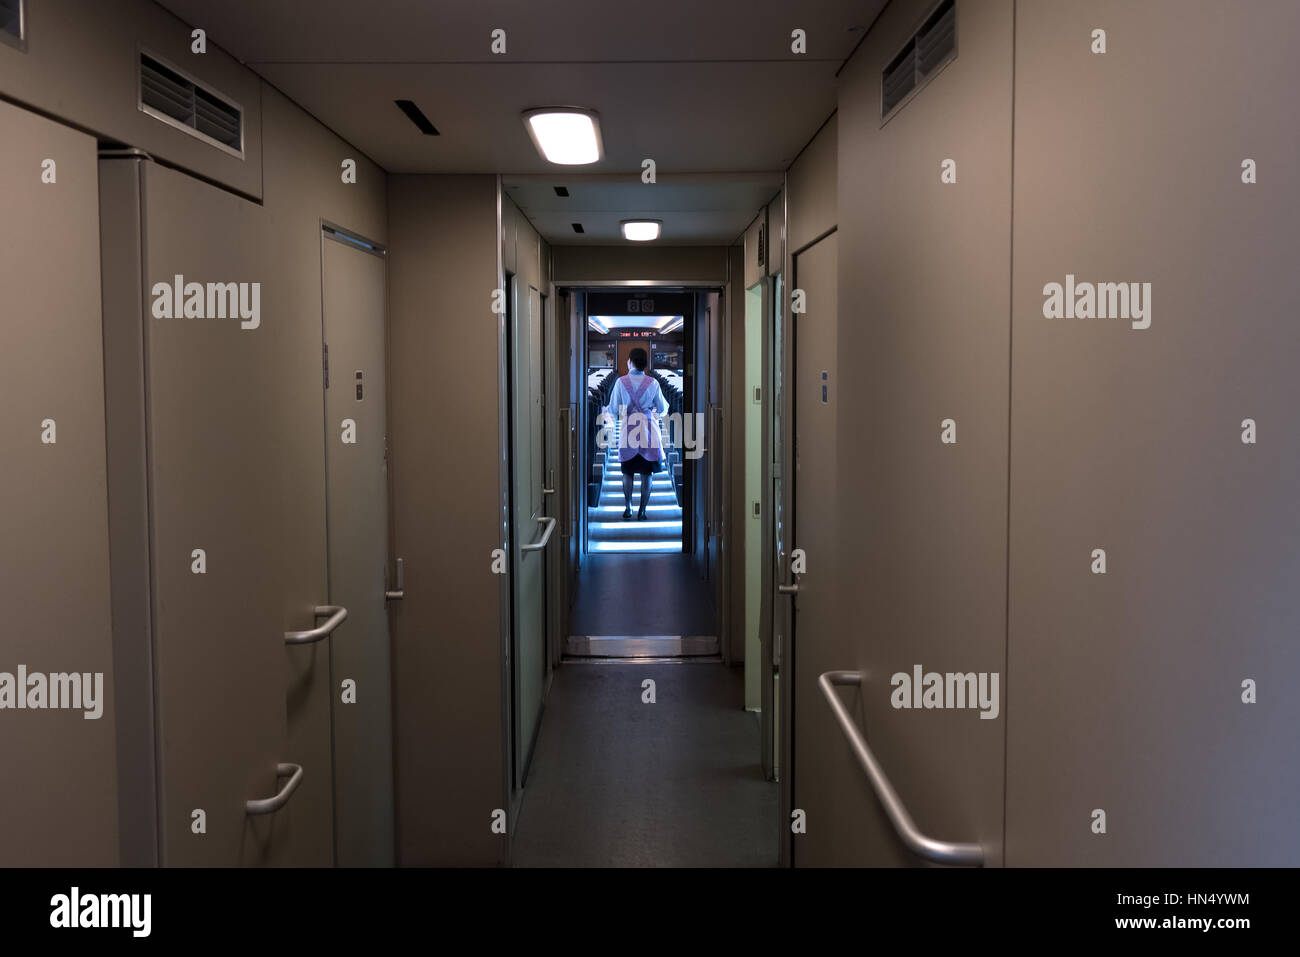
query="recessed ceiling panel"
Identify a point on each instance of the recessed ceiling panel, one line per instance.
(426, 31)
(687, 117)
(698, 210)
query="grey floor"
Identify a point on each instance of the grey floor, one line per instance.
(615, 782)
(642, 595)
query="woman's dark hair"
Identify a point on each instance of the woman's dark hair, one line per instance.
(639, 358)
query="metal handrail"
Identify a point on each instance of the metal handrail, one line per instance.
(538, 545)
(941, 852)
(336, 612)
(268, 805)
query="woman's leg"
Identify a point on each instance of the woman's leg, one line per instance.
(627, 495)
(645, 494)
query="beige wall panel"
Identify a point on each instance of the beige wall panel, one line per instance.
(812, 184)
(753, 271)
(123, 300)
(223, 477)
(304, 185)
(1125, 688)
(923, 333)
(705, 264)
(776, 235)
(81, 64)
(355, 289)
(59, 802)
(818, 610)
(445, 426)
(236, 444)
(510, 220)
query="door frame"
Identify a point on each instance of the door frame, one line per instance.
(767, 605)
(510, 798)
(507, 288)
(332, 232)
(769, 563)
(581, 421)
(720, 445)
(785, 609)
(783, 614)
(555, 403)
(519, 297)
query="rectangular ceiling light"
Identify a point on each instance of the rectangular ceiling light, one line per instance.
(636, 322)
(641, 230)
(567, 136)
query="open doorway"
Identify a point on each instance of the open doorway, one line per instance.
(629, 511)
(595, 780)
(645, 587)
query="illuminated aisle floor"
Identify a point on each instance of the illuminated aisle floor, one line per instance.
(608, 531)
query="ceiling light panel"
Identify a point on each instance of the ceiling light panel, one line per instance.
(641, 230)
(566, 136)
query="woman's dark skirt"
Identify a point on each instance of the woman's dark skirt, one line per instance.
(639, 465)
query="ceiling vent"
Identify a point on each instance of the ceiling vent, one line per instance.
(416, 116)
(179, 100)
(577, 228)
(925, 52)
(561, 191)
(12, 24)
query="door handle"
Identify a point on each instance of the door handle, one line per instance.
(538, 545)
(788, 589)
(337, 614)
(548, 491)
(398, 593)
(272, 804)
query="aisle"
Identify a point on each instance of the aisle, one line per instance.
(616, 782)
(608, 531)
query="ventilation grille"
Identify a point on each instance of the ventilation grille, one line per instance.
(933, 45)
(899, 78)
(937, 40)
(11, 21)
(171, 96)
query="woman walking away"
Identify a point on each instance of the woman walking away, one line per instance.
(639, 402)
